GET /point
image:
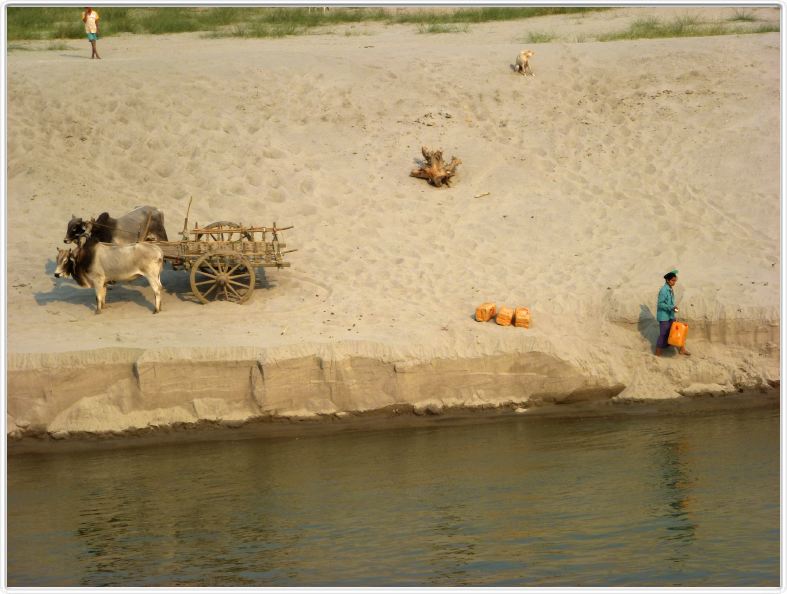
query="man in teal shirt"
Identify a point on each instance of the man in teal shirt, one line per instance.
(665, 312)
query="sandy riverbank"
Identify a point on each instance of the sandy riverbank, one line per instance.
(617, 162)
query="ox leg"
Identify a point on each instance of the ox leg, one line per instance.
(155, 283)
(101, 295)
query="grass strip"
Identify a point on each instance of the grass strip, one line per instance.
(443, 28)
(28, 23)
(652, 28)
(65, 23)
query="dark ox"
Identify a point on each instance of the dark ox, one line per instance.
(95, 264)
(123, 230)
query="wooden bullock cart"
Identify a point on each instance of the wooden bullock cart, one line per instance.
(222, 257)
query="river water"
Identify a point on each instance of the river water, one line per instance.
(667, 500)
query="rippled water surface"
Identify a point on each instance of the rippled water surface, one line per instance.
(656, 501)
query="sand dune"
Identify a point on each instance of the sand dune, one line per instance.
(617, 162)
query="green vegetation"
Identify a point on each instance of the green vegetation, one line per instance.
(257, 30)
(652, 28)
(765, 28)
(64, 23)
(51, 46)
(479, 15)
(351, 33)
(538, 37)
(742, 15)
(232, 21)
(442, 28)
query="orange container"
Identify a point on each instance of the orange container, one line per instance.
(522, 317)
(504, 316)
(485, 312)
(677, 334)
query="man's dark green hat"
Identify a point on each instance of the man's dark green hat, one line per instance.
(670, 274)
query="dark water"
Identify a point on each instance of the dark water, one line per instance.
(657, 501)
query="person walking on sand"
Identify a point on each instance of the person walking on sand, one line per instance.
(90, 18)
(665, 312)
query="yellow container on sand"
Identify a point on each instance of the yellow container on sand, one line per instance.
(485, 312)
(504, 316)
(522, 317)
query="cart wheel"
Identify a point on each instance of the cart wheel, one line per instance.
(223, 275)
(225, 234)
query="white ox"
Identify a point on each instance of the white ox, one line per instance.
(95, 264)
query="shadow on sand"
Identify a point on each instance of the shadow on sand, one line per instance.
(66, 289)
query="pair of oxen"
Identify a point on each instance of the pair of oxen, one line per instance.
(109, 250)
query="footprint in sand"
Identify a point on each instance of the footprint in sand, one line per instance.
(307, 210)
(663, 227)
(254, 179)
(307, 186)
(576, 179)
(194, 167)
(124, 143)
(278, 196)
(273, 153)
(216, 199)
(210, 124)
(154, 145)
(165, 169)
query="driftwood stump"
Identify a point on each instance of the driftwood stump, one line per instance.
(434, 170)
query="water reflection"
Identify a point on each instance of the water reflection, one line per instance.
(452, 549)
(527, 502)
(677, 483)
(152, 523)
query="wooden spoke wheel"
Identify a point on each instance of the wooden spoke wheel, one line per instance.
(227, 276)
(223, 232)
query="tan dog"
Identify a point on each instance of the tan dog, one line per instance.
(523, 63)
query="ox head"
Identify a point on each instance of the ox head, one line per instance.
(64, 265)
(77, 228)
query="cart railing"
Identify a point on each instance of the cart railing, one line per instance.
(231, 231)
(260, 245)
(197, 230)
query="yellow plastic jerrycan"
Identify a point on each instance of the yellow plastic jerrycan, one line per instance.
(677, 334)
(485, 312)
